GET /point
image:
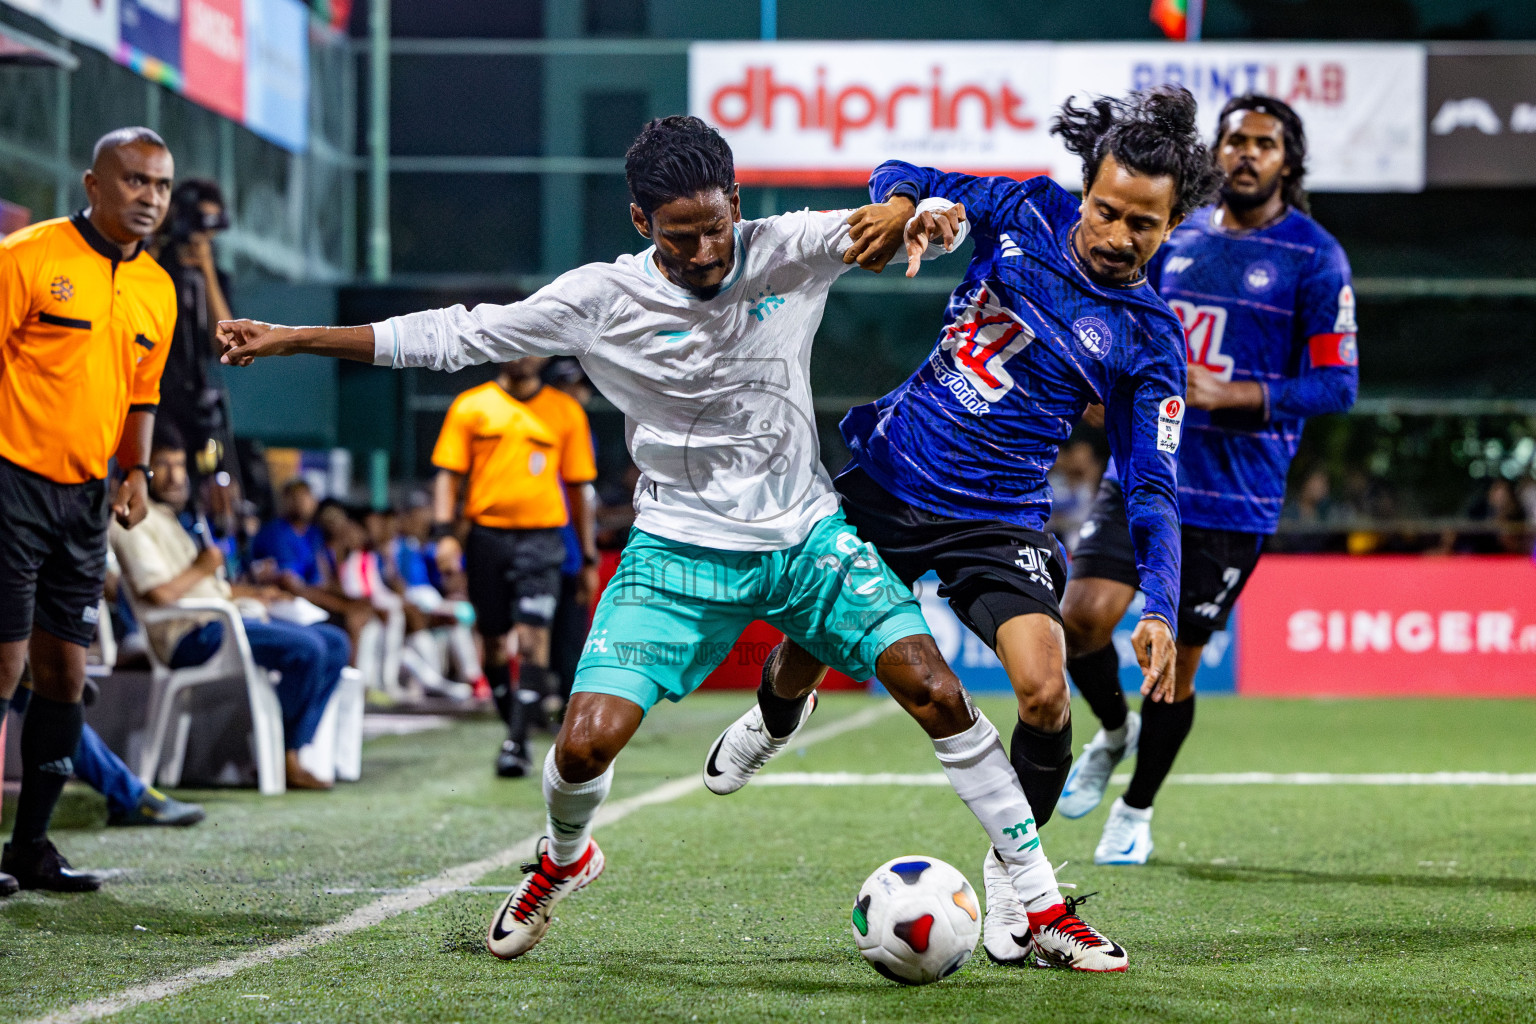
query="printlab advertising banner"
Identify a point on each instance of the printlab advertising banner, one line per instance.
(1482, 118)
(1362, 104)
(1341, 626)
(828, 113)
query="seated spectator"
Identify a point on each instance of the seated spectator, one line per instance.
(292, 541)
(162, 565)
(1499, 510)
(290, 552)
(129, 801)
(404, 571)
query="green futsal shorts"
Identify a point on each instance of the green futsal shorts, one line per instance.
(673, 611)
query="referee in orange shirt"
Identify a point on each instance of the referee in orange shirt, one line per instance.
(85, 324)
(525, 451)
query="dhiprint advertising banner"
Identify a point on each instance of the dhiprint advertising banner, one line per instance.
(829, 113)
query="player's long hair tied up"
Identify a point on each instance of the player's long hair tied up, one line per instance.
(1150, 132)
(1291, 190)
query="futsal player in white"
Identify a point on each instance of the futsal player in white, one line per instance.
(704, 342)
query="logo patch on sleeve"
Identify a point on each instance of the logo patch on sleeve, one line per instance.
(1170, 421)
(1344, 322)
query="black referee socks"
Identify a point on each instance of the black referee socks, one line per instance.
(1041, 760)
(49, 736)
(1097, 676)
(1164, 728)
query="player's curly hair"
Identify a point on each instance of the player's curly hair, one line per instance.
(674, 157)
(1150, 132)
(1292, 190)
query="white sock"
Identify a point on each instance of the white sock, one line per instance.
(570, 807)
(979, 770)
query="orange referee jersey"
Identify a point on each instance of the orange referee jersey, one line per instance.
(516, 455)
(84, 335)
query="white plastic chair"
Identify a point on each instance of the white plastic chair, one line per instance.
(336, 752)
(232, 661)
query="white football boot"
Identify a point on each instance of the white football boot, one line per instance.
(524, 917)
(1005, 934)
(1127, 837)
(1090, 775)
(1064, 940)
(745, 747)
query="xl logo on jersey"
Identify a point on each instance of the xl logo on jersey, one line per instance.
(1204, 327)
(1178, 264)
(981, 340)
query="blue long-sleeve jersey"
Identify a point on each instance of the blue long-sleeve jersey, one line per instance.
(1030, 340)
(1273, 305)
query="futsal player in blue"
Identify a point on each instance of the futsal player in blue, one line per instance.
(949, 470)
(1264, 295)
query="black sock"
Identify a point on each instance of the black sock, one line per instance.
(504, 693)
(1097, 676)
(1163, 729)
(49, 735)
(1041, 760)
(780, 714)
(535, 681)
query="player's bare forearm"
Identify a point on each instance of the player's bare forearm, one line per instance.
(1208, 391)
(445, 496)
(138, 432)
(875, 232)
(131, 501)
(241, 342)
(582, 501)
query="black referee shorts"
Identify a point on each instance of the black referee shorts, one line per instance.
(513, 576)
(1215, 564)
(53, 555)
(989, 570)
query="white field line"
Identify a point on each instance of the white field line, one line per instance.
(416, 896)
(1217, 779)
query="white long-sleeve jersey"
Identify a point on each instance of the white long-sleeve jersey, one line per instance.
(716, 393)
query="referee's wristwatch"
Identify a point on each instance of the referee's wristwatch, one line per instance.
(441, 530)
(149, 474)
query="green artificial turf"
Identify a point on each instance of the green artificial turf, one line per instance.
(1342, 903)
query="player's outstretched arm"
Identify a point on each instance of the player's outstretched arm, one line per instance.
(879, 231)
(1143, 434)
(242, 342)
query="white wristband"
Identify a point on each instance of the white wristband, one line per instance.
(936, 204)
